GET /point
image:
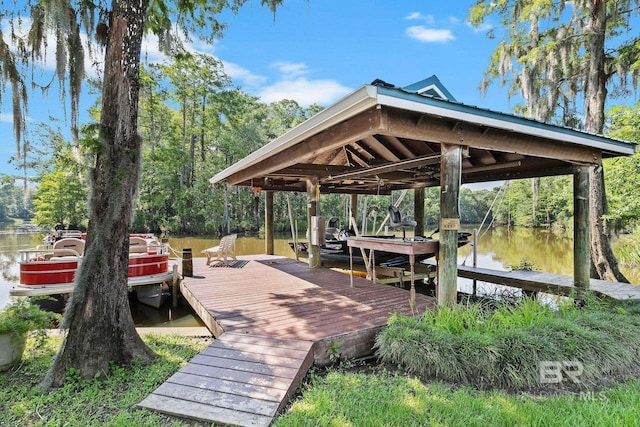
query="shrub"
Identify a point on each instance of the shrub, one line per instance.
(504, 347)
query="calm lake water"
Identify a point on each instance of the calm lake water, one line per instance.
(498, 249)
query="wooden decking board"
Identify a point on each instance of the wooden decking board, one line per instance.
(218, 399)
(311, 312)
(241, 365)
(253, 352)
(235, 376)
(316, 322)
(306, 306)
(240, 339)
(319, 323)
(242, 389)
(283, 362)
(273, 318)
(201, 412)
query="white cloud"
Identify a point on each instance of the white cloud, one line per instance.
(304, 91)
(240, 74)
(6, 118)
(429, 35)
(292, 82)
(291, 70)
(417, 16)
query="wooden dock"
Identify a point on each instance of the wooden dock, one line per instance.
(274, 318)
(558, 284)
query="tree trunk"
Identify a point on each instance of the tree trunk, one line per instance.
(603, 262)
(98, 317)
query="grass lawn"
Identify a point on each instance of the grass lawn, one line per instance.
(344, 398)
(89, 402)
(347, 395)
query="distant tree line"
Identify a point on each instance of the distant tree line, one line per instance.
(194, 123)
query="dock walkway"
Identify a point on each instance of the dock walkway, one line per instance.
(539, 281)
(273, 317)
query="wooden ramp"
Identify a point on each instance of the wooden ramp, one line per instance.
(239, 379)
(539, 281)
(273, 317)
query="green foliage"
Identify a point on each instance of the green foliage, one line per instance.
(553, 208)
(623, 173)
(109, 401)
(545, 52)
(23, 316)
(333, 351)
(61, 199)
(213, 127)
(628, 249)
(504, 347)
(11, 199)
(344, 398)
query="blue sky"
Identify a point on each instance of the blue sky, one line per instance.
(317, 51)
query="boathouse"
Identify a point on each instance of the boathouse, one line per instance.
(382, 138)
(378, 139)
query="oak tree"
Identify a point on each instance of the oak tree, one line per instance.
(100, 329)
(563, 55)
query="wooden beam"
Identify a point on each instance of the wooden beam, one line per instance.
(402, 124)
(354, 157)
(493, 167)
(354, 129)
(310, 170)
(581, 237)
(372, 191)
(387, 167)
(518, 174)
(381, 150)
(268, 219)
(397, 145)
(418, 210)
(450, 168)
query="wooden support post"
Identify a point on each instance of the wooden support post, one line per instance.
(418, 211)
(581, 237)
(312, 210)
(354, 207)
(268, 220)
(187, 262)
(450, 168)
(174, 286)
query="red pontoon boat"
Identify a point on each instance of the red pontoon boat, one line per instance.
(49, 269)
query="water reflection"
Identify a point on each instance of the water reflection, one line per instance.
(546, 250)
(498, 248)
(9, 257)
(165, 316)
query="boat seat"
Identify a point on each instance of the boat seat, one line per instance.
(396, 221)
(137, 245)
(226, 249)
(63, 258)
(333, 226)
(69, 246)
